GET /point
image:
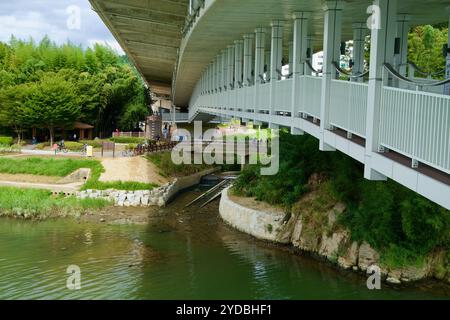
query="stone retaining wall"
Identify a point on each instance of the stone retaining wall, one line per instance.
(142, 198)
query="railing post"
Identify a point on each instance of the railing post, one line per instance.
(383, 26)
(331, 47)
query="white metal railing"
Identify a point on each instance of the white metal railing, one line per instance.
(416, 124)
(283, 95)
(348, 106)
(310, 95)
(264, 97)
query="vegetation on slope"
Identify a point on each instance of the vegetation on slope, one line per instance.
(399, 223)
(40, 204)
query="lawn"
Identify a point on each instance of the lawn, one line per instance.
(168, 169)
(62, 167)
(39, 204)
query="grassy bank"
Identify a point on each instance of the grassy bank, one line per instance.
(41, 204)
(167, 168)
(402, 225)
(61, 167)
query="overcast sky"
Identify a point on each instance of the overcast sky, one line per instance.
(56, 18)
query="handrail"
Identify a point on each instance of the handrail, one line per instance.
(428, 74)
(342, 71)
(394, 72)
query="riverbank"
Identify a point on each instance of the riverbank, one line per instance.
(313, 226)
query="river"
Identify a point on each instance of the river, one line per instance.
(179, 254)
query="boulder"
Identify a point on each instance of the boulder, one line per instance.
(367, 256)
(329, 246)
(350, 259)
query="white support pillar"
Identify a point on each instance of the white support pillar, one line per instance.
(260, 39)
(276, 58)
(230, 82)
(224, 69)
(276, 55)
(401, 59)
(447, 68)
(219, 73)
(299, 56)
(331, 47)
(238, 54)
(260, 36)
(248, 59)
(359, 42)
(381, 51)
(210, 78)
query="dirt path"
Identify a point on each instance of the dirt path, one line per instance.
(131, 169)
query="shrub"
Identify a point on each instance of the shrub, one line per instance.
(167, 168)
(6, 140)
(42, 145)
(127, 140)
(73, 146)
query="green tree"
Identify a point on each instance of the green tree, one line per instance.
(52, 103)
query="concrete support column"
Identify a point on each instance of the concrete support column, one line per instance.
(260, 36)
(447, 68)
(224, 69)
(248, 59)
(276, 58)
(383, 32)
(210, 78)
(331, 46)
(230, 81)
(299, 56)
(260, 45)
(401, 58)
(267, 63)
(238, 54)
(276, 55)
(300, 44)
(219, 73)
(359, 40)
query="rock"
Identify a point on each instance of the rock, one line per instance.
(161, 202)
(329, 246)
(367, 256)
(351, 257)
(126, 203)
(144, 200)
(102, 220)
(355, 268)
(136, 201)
(393, 280)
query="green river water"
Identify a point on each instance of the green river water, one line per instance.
(179, 254)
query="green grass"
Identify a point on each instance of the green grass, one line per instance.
(167, 168)
(63, 167)
(6, 140)
(40, 204)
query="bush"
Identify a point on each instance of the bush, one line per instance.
(6, 140)
(128, 140)
(167, 168)
(42, 145)
(402, 225)
(73, 146)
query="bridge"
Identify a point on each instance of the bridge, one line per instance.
(251, 60)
